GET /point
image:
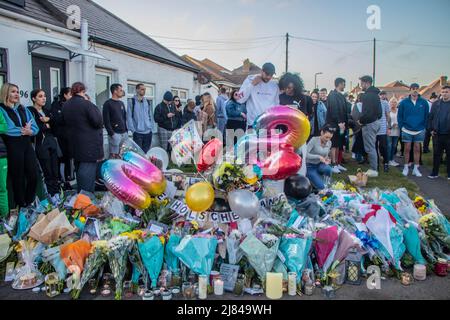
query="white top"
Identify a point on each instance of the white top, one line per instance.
(395, 130)
(258, 98)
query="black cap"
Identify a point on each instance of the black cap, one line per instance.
(383, 93)
(269, 68)
(368, 79)
(414, 86)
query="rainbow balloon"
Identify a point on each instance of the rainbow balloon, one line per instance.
(133, 180)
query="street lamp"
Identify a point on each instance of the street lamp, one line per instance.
(315, 79)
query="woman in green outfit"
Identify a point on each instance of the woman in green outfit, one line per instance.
(4, 208)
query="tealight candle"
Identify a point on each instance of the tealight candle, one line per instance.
(274, 285)
(218, 287)
(420, 272)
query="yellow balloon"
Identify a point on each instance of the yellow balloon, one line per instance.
(200, 197)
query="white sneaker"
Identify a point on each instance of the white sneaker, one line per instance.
(406, 171)
(353, 156)
(393, 163)
(416, 172)
(341, 168)
(335, 169)
(372, 173)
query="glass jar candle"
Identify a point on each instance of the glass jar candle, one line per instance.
(92, 284)
(292, 284)
(239, 286)
(188, 291)
(420, 272)
(441, 268)
(218, 287)
(127, 289)
(309, 288)
(176, 279)
(202, 287)
(166, 295)
(148, 295)
(406, 279)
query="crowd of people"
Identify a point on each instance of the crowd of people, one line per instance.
(65, 142)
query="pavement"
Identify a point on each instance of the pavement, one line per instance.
(433, 288)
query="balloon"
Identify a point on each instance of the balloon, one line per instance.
(244, 203)
(282, 164)
(128, 145)
(121, 180)
(296, 122)
(297, 187)
(200, 197)
(160, 154)
(154, 181)
(209, 155)
(133, 179)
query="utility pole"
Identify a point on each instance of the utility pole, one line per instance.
(374, 60)
(287, 52)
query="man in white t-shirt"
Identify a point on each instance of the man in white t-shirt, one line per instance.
(260, 93)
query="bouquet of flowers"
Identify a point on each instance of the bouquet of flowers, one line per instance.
(92, 265)
(435, 228)
(197, 252)
(295, 250)
(233, 242)
(117, 253)
(169, 256)
(421, 204)
(228, 177)
(53, 256)
(261, 251)
(138, 265)
(152, 253)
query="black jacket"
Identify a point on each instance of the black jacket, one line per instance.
(85, 129)
(371, 106)
(306, 103)
(434, 118)
(44, 141)
(337, 109)
(188, 116)
(115, 117)
(161, 112)
(57, 120)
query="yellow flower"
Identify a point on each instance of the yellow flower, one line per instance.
(195, 225)
(83, 220)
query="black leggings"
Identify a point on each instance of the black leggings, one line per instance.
(382, 149)
(50, 170)
(22, 170)
(66, 159)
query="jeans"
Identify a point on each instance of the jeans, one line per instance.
(392, 147)
(144, 141)
(316, 172)
(440, 143)
(86, 176)
(369, 132)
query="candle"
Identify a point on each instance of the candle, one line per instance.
(406, 279)
(218, 287)
(420, 272)
(274, 285)
(441, 268)
(202, 287)
(292, 285)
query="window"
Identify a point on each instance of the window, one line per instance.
(103, 81)
(182, 93)
(149, 94)
(3, 67)
(55, 82)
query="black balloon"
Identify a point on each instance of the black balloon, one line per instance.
(297, 187)
(220, 205)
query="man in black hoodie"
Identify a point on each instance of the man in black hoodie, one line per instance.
(168, 117)
(371, 113)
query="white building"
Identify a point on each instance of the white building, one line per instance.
(39, 48)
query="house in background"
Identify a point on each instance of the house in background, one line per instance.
(434, 87)
(40, 49)
(396, 89)
(216, 76)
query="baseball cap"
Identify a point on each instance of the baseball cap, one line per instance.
(414, 86)
(269, 68)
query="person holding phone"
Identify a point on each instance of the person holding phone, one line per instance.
(22, 161)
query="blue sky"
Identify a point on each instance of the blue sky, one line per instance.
(409, 24)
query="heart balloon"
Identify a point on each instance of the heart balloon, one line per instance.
(297, 187)
(281, 164)
(244, 203)
(210, 154)
(200, 197)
